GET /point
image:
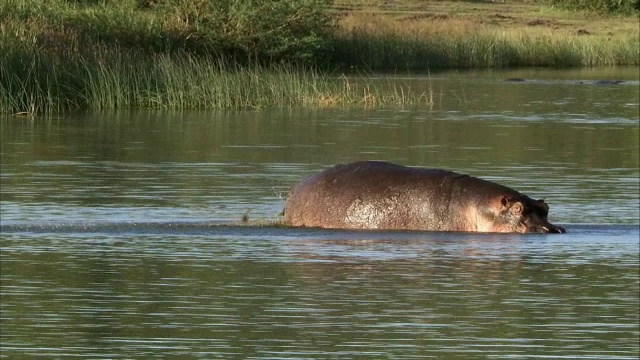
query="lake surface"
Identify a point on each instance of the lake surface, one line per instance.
(122, 233)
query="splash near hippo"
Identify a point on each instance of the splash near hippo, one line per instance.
(380, 195)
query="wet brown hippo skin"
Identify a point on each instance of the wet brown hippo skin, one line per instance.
(380, 195)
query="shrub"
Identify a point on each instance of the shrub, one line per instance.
(253, 30)
(249, 31)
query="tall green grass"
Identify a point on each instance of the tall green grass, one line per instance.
(128, 79)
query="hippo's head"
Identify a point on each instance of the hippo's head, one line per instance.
(523, 215)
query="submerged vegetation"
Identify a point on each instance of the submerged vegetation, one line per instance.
(238, 54)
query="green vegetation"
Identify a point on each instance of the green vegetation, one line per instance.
(126, 79)
(243, 29)
(238, 54)
(59, 55)
(600, 6)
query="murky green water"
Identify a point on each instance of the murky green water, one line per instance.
(121, 234)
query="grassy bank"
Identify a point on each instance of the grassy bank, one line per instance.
(381, 43)
(417, 35)
(246, 54)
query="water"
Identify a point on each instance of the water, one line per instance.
(122, 233)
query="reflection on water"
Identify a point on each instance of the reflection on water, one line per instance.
(219, 291)
(120, 236)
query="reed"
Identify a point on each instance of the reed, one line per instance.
(128, 79)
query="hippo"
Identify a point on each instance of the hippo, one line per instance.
(381, 195)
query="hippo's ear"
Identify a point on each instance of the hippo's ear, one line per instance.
(540, 204)
(516, 208)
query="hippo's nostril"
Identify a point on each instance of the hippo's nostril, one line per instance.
(551, 229)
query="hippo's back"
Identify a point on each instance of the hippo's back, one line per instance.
(373, 195)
